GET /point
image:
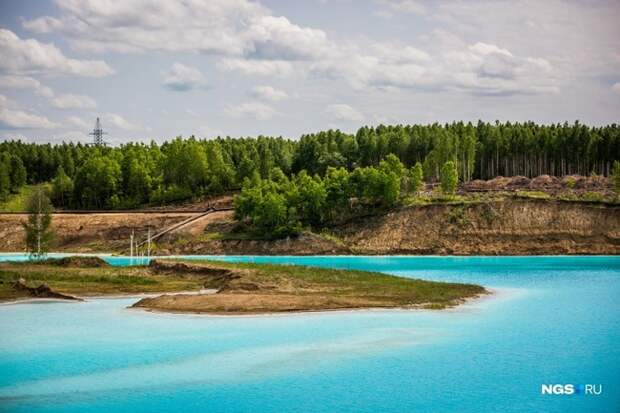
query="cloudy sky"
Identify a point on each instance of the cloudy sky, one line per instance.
(157, 69)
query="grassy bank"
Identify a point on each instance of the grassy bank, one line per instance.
(17, 202)
(262, 288)
(242, 288)
(90, 280)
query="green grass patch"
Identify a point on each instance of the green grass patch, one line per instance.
(332, 237)
(533, 195)
(373, 286)
(17, 202)
(274, 284)
(91, 280)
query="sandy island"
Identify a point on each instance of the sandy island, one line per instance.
(233, 288)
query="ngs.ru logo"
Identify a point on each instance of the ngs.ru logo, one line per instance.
(572, 389)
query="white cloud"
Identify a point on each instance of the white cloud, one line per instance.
(399, 53)
(183, 78)
(25, 82)
(71, 101)
(254, 110)
(488, 49)
(462, 49)
(211, 27)
(477, 69)
(30, 56)
(277, 38)
(616, 87)
(256, 67)
(341, 111)
(120, 122)
(18, 119)
(228, 27)
(404, 6)
(268, 93)
(71, 135)
(62, 101)
(254, 42)
(575, 37)
(78, 122)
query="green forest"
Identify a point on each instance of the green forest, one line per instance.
(286, 183)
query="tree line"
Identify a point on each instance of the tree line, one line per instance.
(91, 177)
(280, 206)
(94, 177)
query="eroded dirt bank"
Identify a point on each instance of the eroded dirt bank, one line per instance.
(507, 227)
(89, 232)
(511, 227)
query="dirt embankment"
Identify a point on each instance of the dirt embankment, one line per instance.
(89, 232)
(508, 227)
(551, 185)
(42, 291)
(111, 231)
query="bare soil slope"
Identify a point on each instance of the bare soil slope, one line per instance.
(89, 232)
(508, 227)
(511, 226)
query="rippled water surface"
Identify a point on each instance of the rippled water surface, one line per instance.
(551, 320)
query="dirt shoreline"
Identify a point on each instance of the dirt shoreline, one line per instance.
(231, 288)
(467, 301)
(492, 293)
(264, 288)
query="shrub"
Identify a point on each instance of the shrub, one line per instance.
(593, 197)
(449, 178)
(458, 216)
(489, 213)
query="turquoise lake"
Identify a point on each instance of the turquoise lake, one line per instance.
(551, 320)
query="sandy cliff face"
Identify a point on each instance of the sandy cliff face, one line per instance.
(509, 227)
(88, 232)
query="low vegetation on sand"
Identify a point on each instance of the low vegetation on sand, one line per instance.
(88, 276)
(241, 288)
(263, 288)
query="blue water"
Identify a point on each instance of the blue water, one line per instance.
(551, 320)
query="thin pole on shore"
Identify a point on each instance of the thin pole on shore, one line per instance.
(131, 245)
(148, 242)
